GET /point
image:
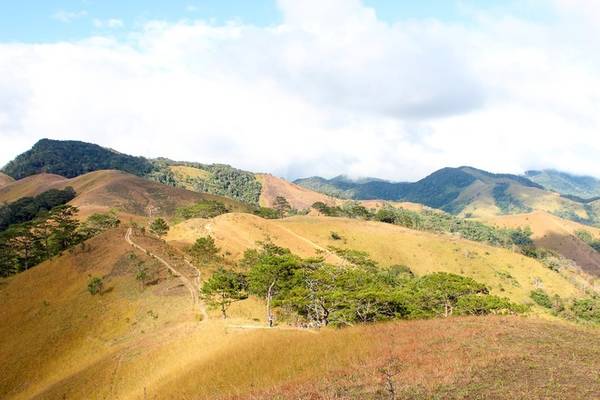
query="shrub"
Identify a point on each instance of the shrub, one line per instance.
(541, 298)
(95, 285)
(204, 250)
(335, 236)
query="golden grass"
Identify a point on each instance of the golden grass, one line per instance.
(183, 173)
(298, 196)
(58, 341)
(507, 273)
(30, 186)
(557, 234)
(5, 179)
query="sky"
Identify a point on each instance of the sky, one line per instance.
(392, 89)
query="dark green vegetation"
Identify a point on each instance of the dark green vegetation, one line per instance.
(25, 245)
(28, 208)
(438, 190)
(314, 293)
(72, 158)
(204, 251)
(589, 239)
(95, 285)
(222, 180)
(159, 227)
(583, 310)
(202, 209)
(223, 288)
(583, 187)
(507, 203)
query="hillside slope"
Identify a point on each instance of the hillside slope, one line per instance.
(584, 187)
(5, 179)
(467, 191)
(298, 196)
(505, 272)
(104, 190)
(557, 234)
(58, 341)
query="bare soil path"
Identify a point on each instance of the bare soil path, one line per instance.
(191, 283)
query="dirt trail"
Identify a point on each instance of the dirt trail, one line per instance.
(192, 286)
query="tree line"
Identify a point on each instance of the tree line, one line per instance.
(27, 244)
(318, 294)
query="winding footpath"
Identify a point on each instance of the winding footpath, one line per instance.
(192, 286)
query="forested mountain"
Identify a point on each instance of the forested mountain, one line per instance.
(71, 158)
(585, 187)
(441, 189)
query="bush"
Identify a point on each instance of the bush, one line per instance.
(335, 236)
(95, 285)
(204, 250)
(541, 298)
(202, 209)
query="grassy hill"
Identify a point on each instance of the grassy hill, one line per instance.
(105, 190)
(505, 272)
(554, 233)
(58, 341)
(585, 187)
(5, 179)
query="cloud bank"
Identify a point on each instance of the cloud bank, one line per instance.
(331, 89)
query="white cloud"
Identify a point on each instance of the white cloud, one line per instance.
(332, 89)
(68, 16)
(111, 23)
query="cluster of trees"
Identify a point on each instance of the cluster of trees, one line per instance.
(28, 208)
(202, 209)
(434, 221)
(27, 244)
(586, 309)
(319, 294)
(221, 179)
(73, 158)
(589, 239)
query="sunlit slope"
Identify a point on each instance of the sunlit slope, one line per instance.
(557, 234)
(5, 179)
(30, 186)
(298, 196)
(108, 189)
(505, 272)
(52, 328)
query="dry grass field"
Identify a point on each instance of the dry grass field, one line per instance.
(58, 341)
(298, 197)
(105, 190)
(5, 179)
(557, 234)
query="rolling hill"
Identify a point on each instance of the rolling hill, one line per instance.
(105, 190)
(467, 192)
(58, 341)
(554, 233)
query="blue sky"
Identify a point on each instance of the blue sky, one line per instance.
(54, 20)
(334, 88)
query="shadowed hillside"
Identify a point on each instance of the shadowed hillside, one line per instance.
(557, 234)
